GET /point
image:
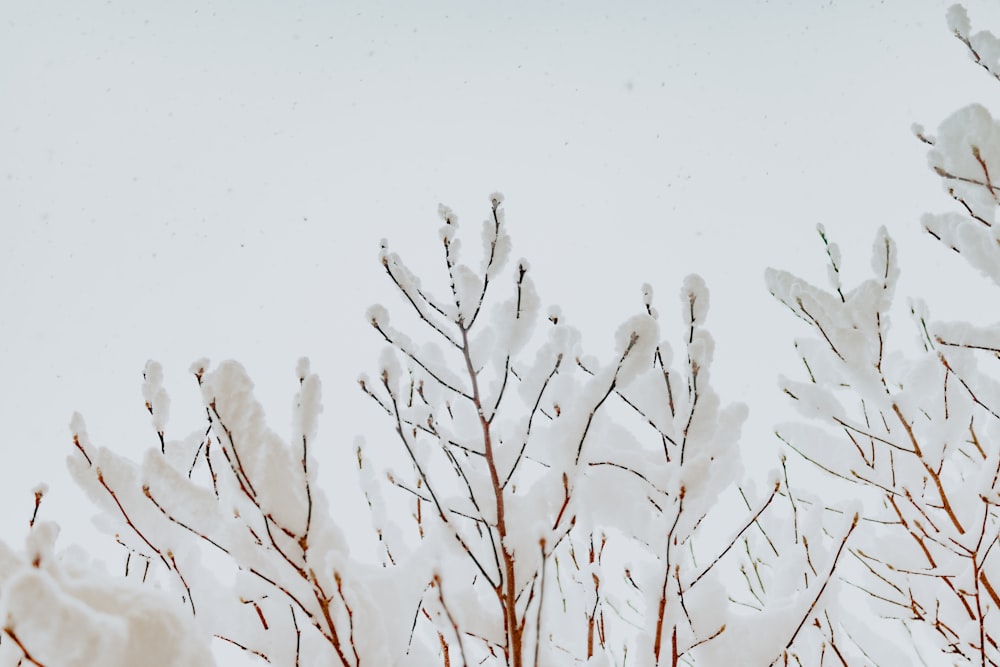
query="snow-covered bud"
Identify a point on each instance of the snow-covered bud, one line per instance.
(198, 368)
(958, 21)
(302, 368)
(447, 215)
(377, 315)
(157, 400)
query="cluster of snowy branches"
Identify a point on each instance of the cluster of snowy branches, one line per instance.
(542, 506)
(914, 436)
(548, 511)
(563, 495)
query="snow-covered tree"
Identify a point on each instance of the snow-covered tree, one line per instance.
(561, 500)
(537, 505)
(534, 506)
(914, 432)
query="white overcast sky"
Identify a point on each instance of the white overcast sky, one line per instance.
(191, 179)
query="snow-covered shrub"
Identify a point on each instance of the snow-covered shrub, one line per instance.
(575, 510)
(547, 508)
(914, 433)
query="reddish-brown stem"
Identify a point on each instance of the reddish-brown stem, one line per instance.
(298, 635)
(930, 470)
(27, 656)
(822, 588)
(662, 608)
(128, 520)
(34, 513)
(350, 614)
(244, 648)
(454, 625)
(330, 633)
(593, 612)
(79, 445)
(444, 650)
(173, 562)
(506, 589)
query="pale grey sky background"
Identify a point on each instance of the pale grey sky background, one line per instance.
(192, 179)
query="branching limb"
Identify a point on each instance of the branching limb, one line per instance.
(822, 588)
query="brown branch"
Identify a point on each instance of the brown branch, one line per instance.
(629, 470)
(967, 346)
(489, 265)
(943, 173)
(170, 517)
(350, 615)
(661, 609)
(541, 600)
(236, 466)
(38, 501)
(871, 435)
(930, 470)
(442, 514)
(822, 588)
(128, 520)
(304, 540)
(76, 441)
(27, 656)
(967, 387)
(244, 648)
(986, 172)
(989, 588)
(819, 326)
(506, 587)
(531, 417)
(420, 312)
(735, 539)
(418, 362)
(298, 635)
(698, 643)
(452, 621)
(611, 387)
(184, 582)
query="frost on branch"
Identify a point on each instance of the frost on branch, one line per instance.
(559, 498)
